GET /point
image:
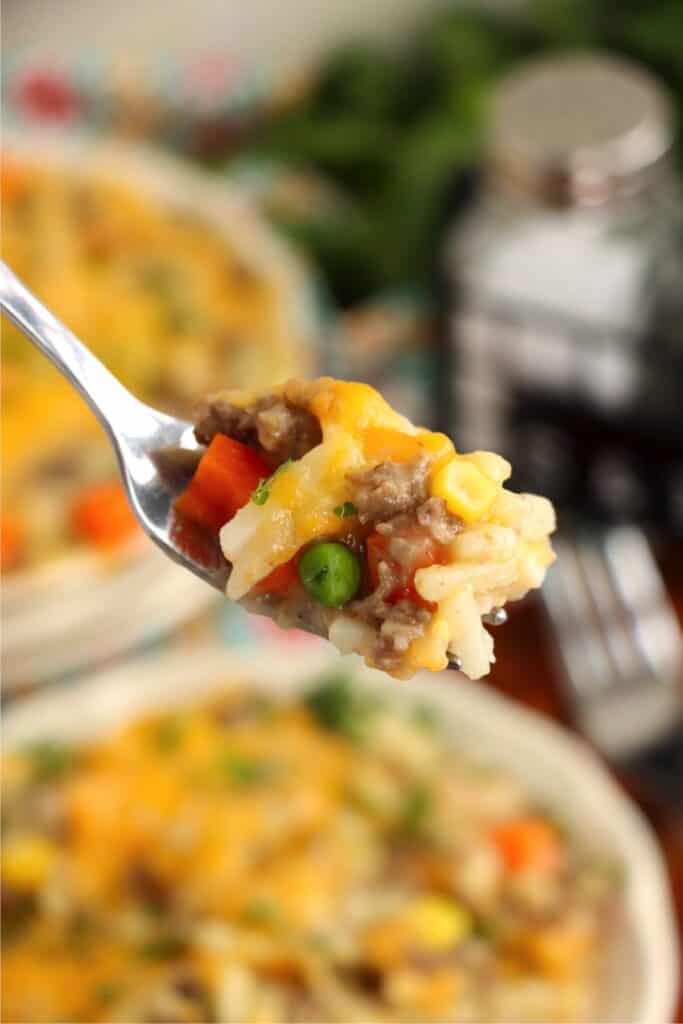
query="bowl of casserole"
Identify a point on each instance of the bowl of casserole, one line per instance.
(175, 282)
(214, 837)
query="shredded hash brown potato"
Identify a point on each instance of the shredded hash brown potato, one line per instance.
(433, 540)
(331, 858)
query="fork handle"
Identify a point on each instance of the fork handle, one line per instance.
(105, 395)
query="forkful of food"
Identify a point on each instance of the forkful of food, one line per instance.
(316, 504)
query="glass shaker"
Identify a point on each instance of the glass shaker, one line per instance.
(563, 344)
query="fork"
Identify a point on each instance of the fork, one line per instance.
(621, 652)
(157, 454)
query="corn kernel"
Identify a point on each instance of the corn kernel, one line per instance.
(559, 950)
(467, 491)
(26, 861)
(438, 924)
(495, 466)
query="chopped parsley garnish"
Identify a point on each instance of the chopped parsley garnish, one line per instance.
(362, 801)
(346, 510)
(426, 717)
(261, 493)
(340, 707)
(105, 992)
(318, 942)
(80, 932)
(487, 928)
(184, 319)
(163, 947)
(161, 278)
(242, 770)
(49, 760)
(260, 912)
(415, 811)
(169, 733)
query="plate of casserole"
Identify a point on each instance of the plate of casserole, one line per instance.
(210, 837)
(174, 281)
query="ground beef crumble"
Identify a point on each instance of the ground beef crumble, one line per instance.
(408, 534)
(282, 430)
(435, 517)
(397, 625)
(296, 610)
(390, 488)
(431, 516)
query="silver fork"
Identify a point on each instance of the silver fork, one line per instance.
(157, 454)
(621, 651)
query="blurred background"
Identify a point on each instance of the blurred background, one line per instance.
(476, 208)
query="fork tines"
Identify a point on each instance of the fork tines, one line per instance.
(618, 638)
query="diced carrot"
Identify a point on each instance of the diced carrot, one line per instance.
(198, 543)
(527, 843)
(11, 542)
(195, 506)
(102, 516)
(225, 479)
(279, 581)
(376, 550)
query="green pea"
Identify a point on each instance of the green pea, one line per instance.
(330, 573)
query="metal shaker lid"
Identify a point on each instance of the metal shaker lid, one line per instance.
(578, 129)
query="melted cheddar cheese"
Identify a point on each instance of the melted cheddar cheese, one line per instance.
(252, 860)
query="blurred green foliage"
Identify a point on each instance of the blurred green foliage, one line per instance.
(391, 130)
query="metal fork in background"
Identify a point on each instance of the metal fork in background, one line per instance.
(621, 652)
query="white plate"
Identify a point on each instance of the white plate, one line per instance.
(83, 607)
(641, 983)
